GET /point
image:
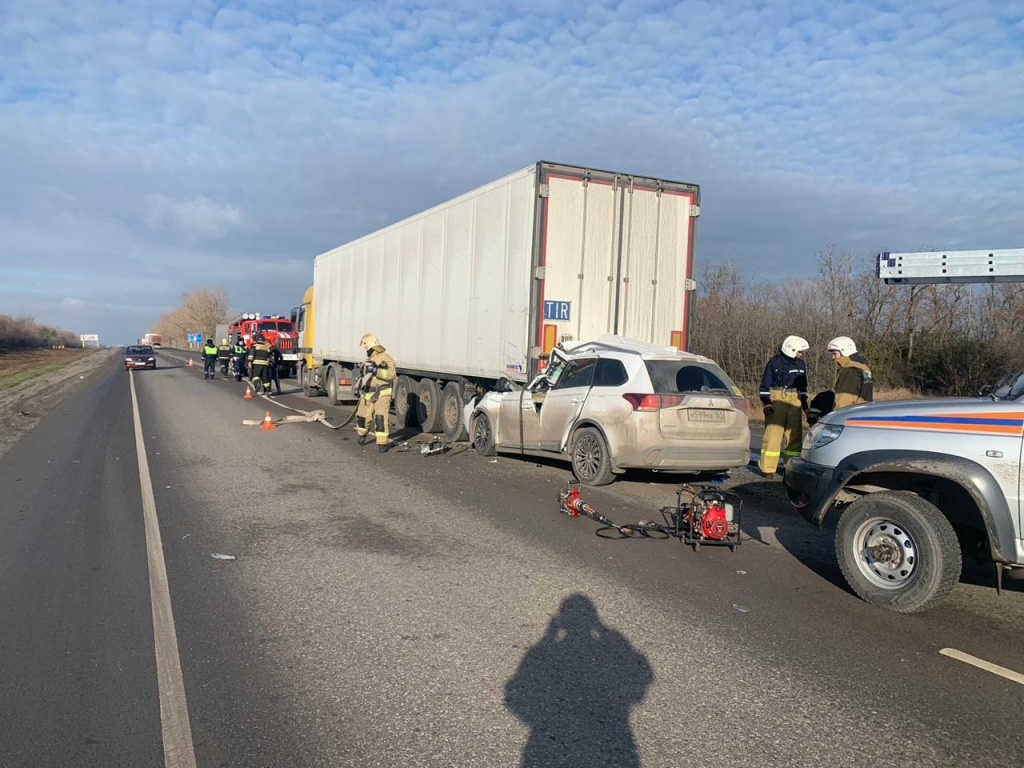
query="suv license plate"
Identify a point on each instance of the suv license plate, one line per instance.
(705, 414)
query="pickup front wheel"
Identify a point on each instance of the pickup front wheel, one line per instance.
(898, 551)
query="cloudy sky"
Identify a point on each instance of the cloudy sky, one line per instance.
(149, 148)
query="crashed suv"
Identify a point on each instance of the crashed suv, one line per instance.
(916, 485)
(614, 404)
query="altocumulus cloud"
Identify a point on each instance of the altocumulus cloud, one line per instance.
(149, 149)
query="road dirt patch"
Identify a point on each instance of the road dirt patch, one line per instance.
(26, 402)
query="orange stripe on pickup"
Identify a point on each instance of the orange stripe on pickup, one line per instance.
(995, 429)
(1000, 415)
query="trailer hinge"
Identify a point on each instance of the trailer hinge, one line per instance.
(694, 211)
(689, 284)
(543, 190)
(539, 272)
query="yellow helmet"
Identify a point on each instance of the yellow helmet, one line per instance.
(369, 341)
(223, 341)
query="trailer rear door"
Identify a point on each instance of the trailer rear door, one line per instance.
(617, 256)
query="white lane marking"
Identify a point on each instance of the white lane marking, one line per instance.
(177, 731)
(988, 666)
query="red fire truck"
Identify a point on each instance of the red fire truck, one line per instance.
(276, 330)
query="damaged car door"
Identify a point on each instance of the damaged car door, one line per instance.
(558, 406)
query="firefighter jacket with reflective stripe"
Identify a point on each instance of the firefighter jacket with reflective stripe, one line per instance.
(224, 351)
(853, 382)
(785, 373)
(259, 354)
(209, 351)
(385, 374)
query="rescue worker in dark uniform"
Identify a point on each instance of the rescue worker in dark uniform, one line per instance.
(209, 360)
(276, 359)
(223, 354)
(375, 390)
(783, 395)
(259, 363)
(239, 351)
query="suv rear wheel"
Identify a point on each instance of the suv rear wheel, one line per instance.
(591, 460)
(898, 551)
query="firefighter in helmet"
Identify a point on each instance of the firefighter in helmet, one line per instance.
(375, 388)
(853, 380)
(783, 395)
(259, 363)
(223, 354)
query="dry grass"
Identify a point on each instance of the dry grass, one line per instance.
(896, 393)
(17, 366)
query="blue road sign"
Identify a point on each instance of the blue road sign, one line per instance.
(557, 310)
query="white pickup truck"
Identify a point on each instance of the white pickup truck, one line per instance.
(917, 484)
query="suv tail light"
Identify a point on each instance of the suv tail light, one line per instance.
(653, 402)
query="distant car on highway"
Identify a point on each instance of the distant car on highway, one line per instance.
(615, 404)
(139, 356)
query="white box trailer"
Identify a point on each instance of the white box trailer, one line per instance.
(485, 285)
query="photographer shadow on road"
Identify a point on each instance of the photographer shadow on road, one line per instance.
(575, 689)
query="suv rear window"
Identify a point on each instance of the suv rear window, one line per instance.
(669, 376)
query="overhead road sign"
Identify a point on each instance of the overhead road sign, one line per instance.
(931, 267)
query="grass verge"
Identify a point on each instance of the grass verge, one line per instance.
(19, 377)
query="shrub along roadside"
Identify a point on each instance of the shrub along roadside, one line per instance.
(26, 333)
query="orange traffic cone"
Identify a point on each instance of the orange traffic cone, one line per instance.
(190, 363)
(268, 423)
(248, 392)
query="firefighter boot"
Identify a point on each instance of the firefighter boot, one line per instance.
(383, 448)
(361, 430)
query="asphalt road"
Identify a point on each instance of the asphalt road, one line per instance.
(402, 610)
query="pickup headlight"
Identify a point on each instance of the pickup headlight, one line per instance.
(821, 434)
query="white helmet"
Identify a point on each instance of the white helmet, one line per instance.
(793, 344)
(843, 345)
(369, 341)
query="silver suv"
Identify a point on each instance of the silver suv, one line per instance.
(615, 404)
(916, 484)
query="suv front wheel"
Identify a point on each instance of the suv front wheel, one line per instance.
(898, 551)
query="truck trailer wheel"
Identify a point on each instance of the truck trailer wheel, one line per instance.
(451, 410)
(405, 401)
(428, 405)
(305, 376)
(898, 551)
(332, 386)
